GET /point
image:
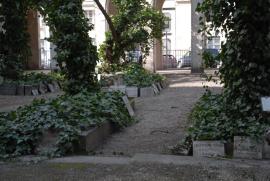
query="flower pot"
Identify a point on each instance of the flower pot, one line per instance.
(8, 89)
(245, 147)
(208, 149)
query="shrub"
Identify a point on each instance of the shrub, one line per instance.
(21, 130)
(136, 75)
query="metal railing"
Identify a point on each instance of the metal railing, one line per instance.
(171, 58)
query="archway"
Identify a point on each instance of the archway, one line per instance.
(197, 43)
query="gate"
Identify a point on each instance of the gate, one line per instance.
(173, 59)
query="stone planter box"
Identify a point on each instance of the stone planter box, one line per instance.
(146, 92)
(208, 149)
(118, 88)
(8, 89)
(28, 90)
(245, 147)
(20, 90)
(90, 140)
(132, 91)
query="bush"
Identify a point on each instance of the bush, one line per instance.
(210, 121)
(136, 75)
(21, 130)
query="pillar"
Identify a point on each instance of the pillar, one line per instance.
(197, 44)
(33, 30)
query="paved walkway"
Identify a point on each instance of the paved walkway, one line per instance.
(162, 119)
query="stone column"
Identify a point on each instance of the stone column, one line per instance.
(33, 30)
(197, 40)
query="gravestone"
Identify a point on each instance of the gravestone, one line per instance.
(265, 104)
(245, 147)
(156, 91)
(56, 86)
(35, 92)
(146, 92)
(159, 86)
(266, 150)
(42, 88)
(51, 88)
(132, 91)
(208, 149)
(128, 106)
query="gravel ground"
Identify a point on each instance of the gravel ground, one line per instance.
(162, 120)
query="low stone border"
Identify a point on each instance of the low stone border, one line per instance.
(133, 92)
(208, 149)
(29, 90)
(90, 140)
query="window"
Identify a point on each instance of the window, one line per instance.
(89, 14)
(214, 43)
(168, 22)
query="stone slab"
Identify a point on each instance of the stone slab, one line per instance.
(146, 92)
(159, 86)
(208, 149)
(265, 104)
(51, 88)
(156, 91)
(245, 147)
(90, 140)
(42, 88)
(35, 92)
(266, 150)
(132, 91)
(128, 106)
(56, 86)
(48, 141)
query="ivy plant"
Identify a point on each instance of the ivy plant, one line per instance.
(245, 70)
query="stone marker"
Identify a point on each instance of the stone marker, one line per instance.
(156, 91)
(265, 104)
(146, 92)
(245, 147)
(117, 88)
(266, 150)
(208, 149)
(42, 88)
(56, 86)
(51, 88)
(35, 92)
(128, 106)
(159, 86)
(132, 91)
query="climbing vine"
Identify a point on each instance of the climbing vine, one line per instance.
(14, 49)
(75, 54)
(245, 70)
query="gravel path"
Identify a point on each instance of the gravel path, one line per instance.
(162, 120)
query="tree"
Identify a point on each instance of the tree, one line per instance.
(245, 70)
(135, 25)
(14, 49)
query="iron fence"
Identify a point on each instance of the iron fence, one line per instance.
(173, 58)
